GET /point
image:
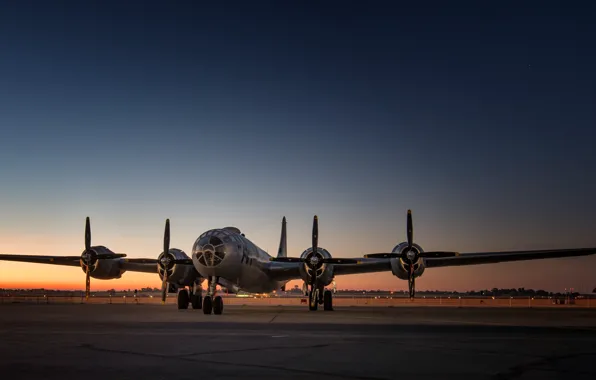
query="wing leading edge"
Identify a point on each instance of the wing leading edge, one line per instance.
(500, 257)
(74, 261)
(132, 264)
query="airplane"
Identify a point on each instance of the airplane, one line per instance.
(225, 257)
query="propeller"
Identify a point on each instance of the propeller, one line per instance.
(314, 260)
(90, 257)
(87, 253)
(410, 256)
(167, 261)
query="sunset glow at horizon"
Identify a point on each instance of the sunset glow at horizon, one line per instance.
(481, 122)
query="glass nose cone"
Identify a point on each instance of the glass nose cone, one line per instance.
(210, 250)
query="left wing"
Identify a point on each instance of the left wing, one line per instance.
(381, 262)
(500, 257)
(290, 270)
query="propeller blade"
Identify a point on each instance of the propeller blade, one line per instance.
(87, 234)
(439, 254)
(166, 237)
(182, 261)
(88, 268)
(287, 259)
(141, 261)
(382, 256)
(87, 282)
(164, 285)
(166, 251)
(410, 230)
(107, 256)
(339, 261)
(315, 234)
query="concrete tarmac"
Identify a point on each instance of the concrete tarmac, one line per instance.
(159, 342)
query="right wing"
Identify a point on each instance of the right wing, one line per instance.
(74, 261)
(132, 264)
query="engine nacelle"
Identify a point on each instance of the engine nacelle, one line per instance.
(103, 269)
(400, 268)
(178, 274)
(324, 273)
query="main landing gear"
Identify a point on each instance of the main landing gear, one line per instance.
(192, 297)
(318, 297)
(210, 303)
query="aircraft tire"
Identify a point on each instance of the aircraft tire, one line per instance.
(196, 301)
(207, 305)
(182, 299)
(218, 305)
(328, 300)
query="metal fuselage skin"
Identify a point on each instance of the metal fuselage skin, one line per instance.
(236, 261)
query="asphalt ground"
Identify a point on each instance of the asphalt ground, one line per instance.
(94, 341)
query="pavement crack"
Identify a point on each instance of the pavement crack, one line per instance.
(251, 349)
(519, 370)
(186, 357)
(275, 316)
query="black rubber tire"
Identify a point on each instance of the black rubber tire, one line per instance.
(217, 305)
(182, 299)
(328, 300)
(313, 302)
(207, 305)
(196, 301)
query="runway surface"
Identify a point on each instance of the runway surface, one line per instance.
(160, 342)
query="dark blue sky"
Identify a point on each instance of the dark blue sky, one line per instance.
(479, 116)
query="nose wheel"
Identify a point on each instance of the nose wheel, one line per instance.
(211, 302)
(213, 305)
(207, 305)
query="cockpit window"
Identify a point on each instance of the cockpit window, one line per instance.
(204, 240)
(215, 241)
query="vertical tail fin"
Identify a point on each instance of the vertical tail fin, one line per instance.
(283, 242)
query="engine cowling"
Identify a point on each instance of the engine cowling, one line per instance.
(324, 273)
(178, 274)
(400, 268)
(103, 269)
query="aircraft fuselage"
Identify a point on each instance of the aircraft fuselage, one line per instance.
(239, 264)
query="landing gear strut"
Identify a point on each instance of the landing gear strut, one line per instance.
(196, 299)
(313, 299)
(211, 302)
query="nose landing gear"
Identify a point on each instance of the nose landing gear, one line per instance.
(211, 302)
